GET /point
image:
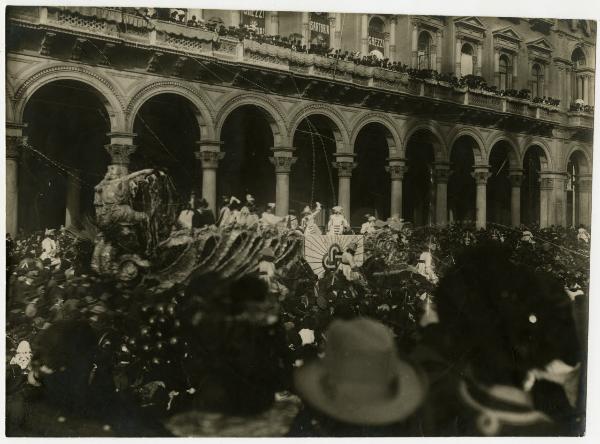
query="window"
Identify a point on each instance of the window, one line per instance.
(505, 69)
(578, 82)
(466, 60)
(376, 36)
(537, 81)
(424, 51)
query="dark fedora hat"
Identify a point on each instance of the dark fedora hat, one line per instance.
(361, 379)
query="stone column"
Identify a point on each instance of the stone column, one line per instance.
(497, 67)
(120, 148)
(306, 29)
(439, 51)
(392, 53)
(441, 175)
(282, 160)
(209, 154)
(516, 178)
(396, 168)
(414, 44)
(364, 34)
(338, 32)
(546, 186)
(14, 140)
(585, 199)
(344, 164)
(481, 174)
(457, 57)
(479, 56)
(273, 23)
(386, 44)
(332, 30)
(586, 93)
(73, 206)
(236, 18)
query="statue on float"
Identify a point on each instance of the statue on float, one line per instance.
(127, 236)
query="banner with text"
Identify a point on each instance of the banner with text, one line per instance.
(254, 20)
(319, 27)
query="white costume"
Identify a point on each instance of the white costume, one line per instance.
(368, 227)
(337, 222)
(425, 267)
(185, 219)
(308, 224)
(348, 266)
(583, 235)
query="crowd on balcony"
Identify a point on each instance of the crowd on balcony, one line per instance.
(580, 106)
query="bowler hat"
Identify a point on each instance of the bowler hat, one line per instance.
(361, 379)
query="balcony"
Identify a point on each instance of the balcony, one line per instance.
(180, 40)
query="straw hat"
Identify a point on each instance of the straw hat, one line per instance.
(361, 380)
(337, 209)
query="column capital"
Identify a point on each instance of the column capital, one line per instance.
(481, 174)
(283, 164)
(209, 145)
(516, 177)
(546, 183)
(14, 139)
(209, 159)
(120, 152)
(344, 167)
(121, 137)
(441, 171)
(396, 171)
(584, 182)
(283, 151)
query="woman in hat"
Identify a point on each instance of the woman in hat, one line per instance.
(361, 386)
(308, 225)
(347, 265)
(369, 225)
(337, 222)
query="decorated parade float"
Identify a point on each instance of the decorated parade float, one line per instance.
(127, 274)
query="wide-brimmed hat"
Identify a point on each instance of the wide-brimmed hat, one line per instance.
(367, 216)
(306, 210)
(337, 209)
(352, 246)
(371, 218)
(361, 379)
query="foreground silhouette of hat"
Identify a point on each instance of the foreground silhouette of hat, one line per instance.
(361, 379)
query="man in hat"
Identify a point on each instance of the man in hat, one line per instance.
(205, 216)
(361, 387)
(369, 226)
(337, 222)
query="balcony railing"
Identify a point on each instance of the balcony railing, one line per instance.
(134, 29)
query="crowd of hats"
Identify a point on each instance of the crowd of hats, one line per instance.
(148, 339)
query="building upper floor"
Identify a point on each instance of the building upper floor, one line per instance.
(539, 68)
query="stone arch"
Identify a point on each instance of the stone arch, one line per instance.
(339, 128)
(440, 148)
(201, 104)
(479, 154)
(108, 92)
(272, 112)
(584, 168)
(546, 163)
(395, 145)
(513, 153)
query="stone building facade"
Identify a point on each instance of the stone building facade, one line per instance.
(471, 144)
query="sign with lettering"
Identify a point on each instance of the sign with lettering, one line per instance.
(319, 27)
(376, 41)
(254, 20)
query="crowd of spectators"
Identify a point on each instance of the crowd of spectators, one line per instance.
(581, 107)
(247, 371)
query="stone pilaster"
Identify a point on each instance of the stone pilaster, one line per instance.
(516, 179)
(442, 175)
(14, 142)
(481, 174)
(344, 164)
